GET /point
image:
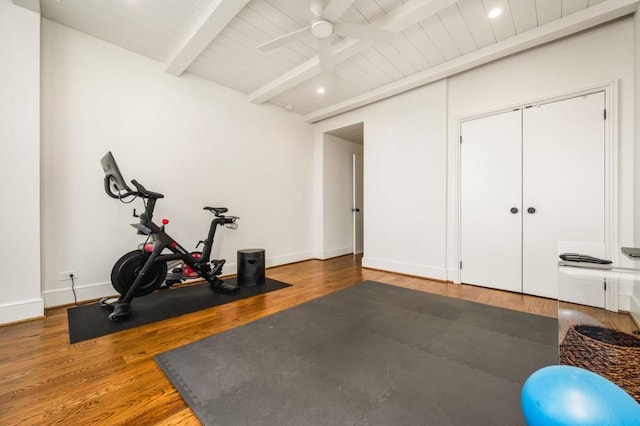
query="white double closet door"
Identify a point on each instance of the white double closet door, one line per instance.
(531, 178)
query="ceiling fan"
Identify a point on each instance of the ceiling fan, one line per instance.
(324, 25)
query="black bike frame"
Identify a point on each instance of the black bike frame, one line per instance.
(162, 240)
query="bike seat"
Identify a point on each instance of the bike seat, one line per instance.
(216, 210)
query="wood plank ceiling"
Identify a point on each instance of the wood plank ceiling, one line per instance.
(217, 40)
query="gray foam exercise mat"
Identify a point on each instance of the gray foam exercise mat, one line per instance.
(372, 354)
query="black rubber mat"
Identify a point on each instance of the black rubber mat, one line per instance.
(90, 321)
(373, 354)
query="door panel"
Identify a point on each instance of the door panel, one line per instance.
(358, 212)
(491, 186)
(563, 179)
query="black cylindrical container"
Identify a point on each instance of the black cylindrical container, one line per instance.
(250, 267)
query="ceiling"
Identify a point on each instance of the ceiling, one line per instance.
(428, 40)
(353, 133)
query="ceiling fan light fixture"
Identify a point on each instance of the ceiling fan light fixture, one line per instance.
(322, 29)
(495, 12)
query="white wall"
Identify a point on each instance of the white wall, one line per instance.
(197, 143)
(410, 151)
(404, 181)
(587, 59)
(20, 172)
(636, 127)
(338, 195)
(635, 299)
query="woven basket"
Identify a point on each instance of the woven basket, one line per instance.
(610, 353)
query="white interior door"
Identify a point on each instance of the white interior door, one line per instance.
(563, 180)
(358, 227)
(491, 201)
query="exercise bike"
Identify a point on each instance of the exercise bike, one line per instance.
(160, 261)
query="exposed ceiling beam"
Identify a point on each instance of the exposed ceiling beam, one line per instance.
(304, 71)
(398, 19)
(579, 21)
(335, 9)
(32, 5)
(213, 20)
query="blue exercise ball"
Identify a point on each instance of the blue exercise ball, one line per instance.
(566, 395)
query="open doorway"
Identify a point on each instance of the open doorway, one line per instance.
(343, 190)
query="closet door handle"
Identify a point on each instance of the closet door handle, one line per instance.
(514, 210)
(531, 210)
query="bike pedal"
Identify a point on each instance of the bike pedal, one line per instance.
(168, 284)
(217, 270)
(227, 288)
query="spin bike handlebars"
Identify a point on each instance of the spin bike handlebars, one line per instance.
(124, 191)
(109, 189)
(144, 192)
(141, 191)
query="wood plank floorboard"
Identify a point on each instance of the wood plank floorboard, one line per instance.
(113, 380)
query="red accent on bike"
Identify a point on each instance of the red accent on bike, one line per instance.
(174, 244)
(165, 221)
(148, 248)
(187, 270)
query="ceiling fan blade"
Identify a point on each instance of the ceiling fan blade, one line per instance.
(335, 9)
(317, 6)
(282, 40)
(325, 53)
(363, 32)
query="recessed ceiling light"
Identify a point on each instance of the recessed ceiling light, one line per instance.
(320, 90)
(494, 13)
(288, 107)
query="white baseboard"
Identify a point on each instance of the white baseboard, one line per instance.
(453, 275)
(405, 268)
(64, 296)
(231, 268)
(624, 290)
(288, 258)
(20, 311)
(328, 254)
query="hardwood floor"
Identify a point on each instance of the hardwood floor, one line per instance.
(114, 380)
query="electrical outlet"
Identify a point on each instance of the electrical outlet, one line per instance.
(66, 275)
